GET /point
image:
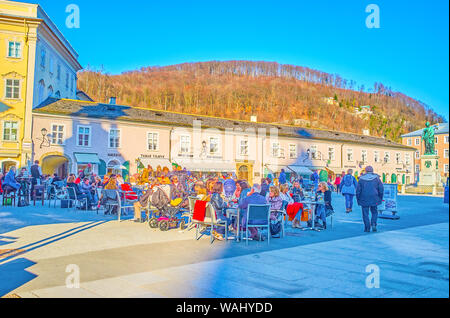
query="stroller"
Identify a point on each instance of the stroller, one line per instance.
(165, 217)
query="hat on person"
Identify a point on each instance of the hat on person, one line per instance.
(369, 169)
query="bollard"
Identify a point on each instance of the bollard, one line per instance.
(434, 190)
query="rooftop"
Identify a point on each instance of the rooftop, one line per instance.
(442, 128)
(67, 107)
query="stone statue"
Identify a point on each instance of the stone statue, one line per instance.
(428, 139)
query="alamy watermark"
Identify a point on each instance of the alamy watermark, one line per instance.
(373, 279)
(73, 19)
(373, 19)
(73, 279)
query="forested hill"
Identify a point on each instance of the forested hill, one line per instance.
(275, 93)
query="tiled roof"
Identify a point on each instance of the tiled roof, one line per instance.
(442, 129)
(134, 114)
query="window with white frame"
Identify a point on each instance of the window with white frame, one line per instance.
(364, 156)
(446, 139)
(57, 135)
(275, 149)
(185, 144)
(153, 141)
(14, 49)
(417, 154)
(445, 153)
(387, 157)
(293, 151)
(398, 158)
(331, 153)
(407, 158)
(417, 141)
(409, 142)
(10, 129)
(349, 154)
(243, 150)
(376, 156)
(282, 153)
(43, 57)
(12, 88)
(213, 145)
(314, 154)
(84, 136)
(114, 138)
(417, 168)
(446, 168)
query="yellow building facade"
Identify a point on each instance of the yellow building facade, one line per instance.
(36, 62)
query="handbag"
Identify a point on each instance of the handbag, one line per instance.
(305, 215)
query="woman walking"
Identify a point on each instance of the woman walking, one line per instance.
(348, 190)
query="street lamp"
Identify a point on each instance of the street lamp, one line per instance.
(45, 139)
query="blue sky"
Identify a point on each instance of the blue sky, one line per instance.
(410, 52)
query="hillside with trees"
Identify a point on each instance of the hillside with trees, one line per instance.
(275, 93)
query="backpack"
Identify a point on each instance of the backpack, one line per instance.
(348, 180)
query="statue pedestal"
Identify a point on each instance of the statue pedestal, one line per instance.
(429, 172)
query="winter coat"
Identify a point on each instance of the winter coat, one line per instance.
(370, 190)
(282, 178)
(348, 189)
(276, 203)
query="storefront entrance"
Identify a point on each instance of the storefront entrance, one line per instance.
(55, 164)
(245, 172)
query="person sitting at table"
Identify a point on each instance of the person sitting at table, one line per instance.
(219, 205)
(297, 192)
(254, 197)
(80, 195)
(112, 185)
(274, 199)
(229, 186)
(88, 190)
(244, 190)
(285, 195)
(323, 209)
(142, 203)
(10, 184)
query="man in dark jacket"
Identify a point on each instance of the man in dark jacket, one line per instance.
(369, 194)
(254, 197)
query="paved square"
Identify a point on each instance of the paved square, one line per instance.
(131, 260)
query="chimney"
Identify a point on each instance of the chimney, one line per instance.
(112, 100)
(254, 119)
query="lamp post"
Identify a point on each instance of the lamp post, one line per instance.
(45, 141)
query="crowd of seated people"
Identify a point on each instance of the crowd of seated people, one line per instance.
(221, 190)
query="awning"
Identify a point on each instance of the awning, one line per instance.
(156, 162)
(85, 158)
(301, 170)
(208, 166)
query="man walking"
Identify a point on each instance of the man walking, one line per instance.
(369, 194)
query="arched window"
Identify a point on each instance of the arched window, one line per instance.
(58, 94)
(50, 91)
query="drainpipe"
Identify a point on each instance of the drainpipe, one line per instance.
(170, 144)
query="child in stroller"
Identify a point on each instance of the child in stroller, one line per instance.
(167, 210)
